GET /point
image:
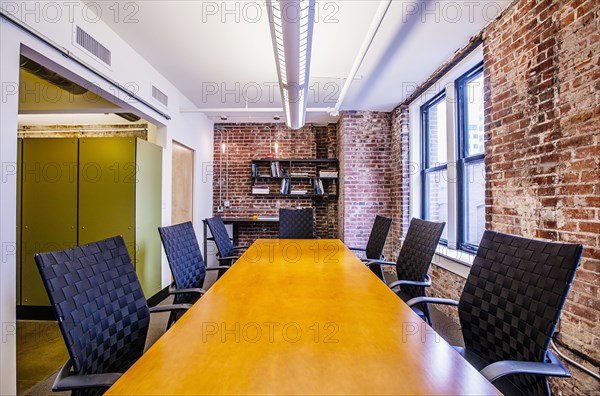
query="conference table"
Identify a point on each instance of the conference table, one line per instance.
(300, 317)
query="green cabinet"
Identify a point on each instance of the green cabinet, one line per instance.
(148, 216)
(48, 207)
(106, 187)
(107, 190)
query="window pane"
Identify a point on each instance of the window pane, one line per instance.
(475, 205)
(437, 199)
(437, 133)
(475, 116)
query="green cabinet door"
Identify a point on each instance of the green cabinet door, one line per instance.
(48, 205)
(148, 209)
(107, 190)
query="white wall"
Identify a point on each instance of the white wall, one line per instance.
(128, 69)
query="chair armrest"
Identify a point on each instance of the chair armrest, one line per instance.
(553, 368)
(191, 290)
(357, 249)
(228, 258)
(431, 300)
(220, 267)
(380, 262)
(240, 247)
(66, 382)
(401, 282)
(168, 308)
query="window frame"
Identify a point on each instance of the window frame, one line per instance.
(463, 159)
(425, 163)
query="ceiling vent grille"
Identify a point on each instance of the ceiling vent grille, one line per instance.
(93, 46)
(160, 96)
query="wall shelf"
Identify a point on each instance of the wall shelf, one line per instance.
(276, 174)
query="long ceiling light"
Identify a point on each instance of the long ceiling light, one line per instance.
(291, 32)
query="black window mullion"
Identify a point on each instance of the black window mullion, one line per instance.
(463, 158)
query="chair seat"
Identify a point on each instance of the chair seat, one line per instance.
(405, 297)
(503, 384)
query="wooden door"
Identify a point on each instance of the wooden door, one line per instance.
(182, 190)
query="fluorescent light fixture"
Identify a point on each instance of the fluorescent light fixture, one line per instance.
(291, 31)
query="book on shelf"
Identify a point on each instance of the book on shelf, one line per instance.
(284, 188)
(254, 170)
(299, 192)
(328, 174)
(318, 187)
(277, 170)
(299, 174)
(274, 218)
(260, 190)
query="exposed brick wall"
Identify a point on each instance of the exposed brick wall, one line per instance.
(542, 70)
(542, 106)
(251, 141)
(400, 175)
(364, 144)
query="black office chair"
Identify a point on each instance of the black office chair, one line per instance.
(509, 309)
(186, 263)
(226, 252)
(297, 223)
(377, 238)
(101, 310)
(413, 262)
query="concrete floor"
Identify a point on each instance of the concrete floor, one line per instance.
(40, 352)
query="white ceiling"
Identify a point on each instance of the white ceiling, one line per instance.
(219, 53)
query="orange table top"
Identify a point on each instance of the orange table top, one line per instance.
(300, 317)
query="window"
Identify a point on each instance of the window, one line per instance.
(452, 176)
(470, 166)
(435, 162)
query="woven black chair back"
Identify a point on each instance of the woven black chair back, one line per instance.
(101, 309)
(513, 298)
(220, 235)
(296, 223)
(377, 238)
(184, 257)
(417, 252)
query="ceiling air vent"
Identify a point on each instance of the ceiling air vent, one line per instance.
(92, 46)
(160, 96)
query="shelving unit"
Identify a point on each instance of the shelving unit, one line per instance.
(262, 175)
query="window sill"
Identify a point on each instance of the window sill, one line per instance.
(456, 261)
